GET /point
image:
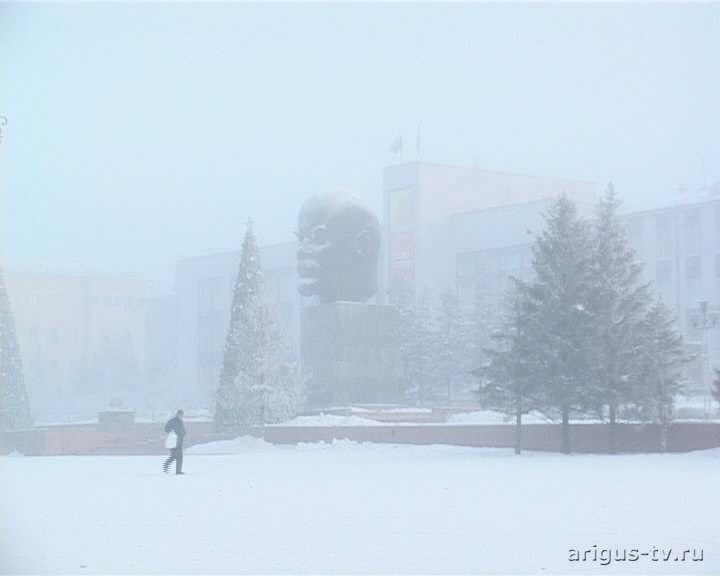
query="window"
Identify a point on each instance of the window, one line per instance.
(692, 231)
(663, 271)
(465, 265)
(634, 232)
(693, 267)
(209, 294)
(466, 292)
(663, 235)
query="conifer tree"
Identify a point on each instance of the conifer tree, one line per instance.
(661, 357)
(14, 405)
(260, 381)
(557, 302)
(618, 304)
(716, 385)
(509, 379)
(270, 378)
(247, 284)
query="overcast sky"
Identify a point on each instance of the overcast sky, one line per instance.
(138, 134)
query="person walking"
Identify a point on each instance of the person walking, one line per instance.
(175, 426)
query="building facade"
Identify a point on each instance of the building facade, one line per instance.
(81, 340)
(204, 291)
(434, 212)
(465, 231)
(678, 243)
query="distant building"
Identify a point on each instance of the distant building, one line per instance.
(161, 357)
(466, 231)
(457, 230)
(81, 340)
(204, 288)
(678, 242)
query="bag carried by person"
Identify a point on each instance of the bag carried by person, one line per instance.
(171, 440)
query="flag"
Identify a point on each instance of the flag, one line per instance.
(397, 144)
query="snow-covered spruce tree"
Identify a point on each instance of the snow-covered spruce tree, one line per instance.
(260, 381)
(557, 299)
(247, 285)
(509, 377)
(716, 386)
(661, 357)
(14, 405)
(270, 381)
(618, 303)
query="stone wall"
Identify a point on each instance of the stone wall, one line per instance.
(585, 438)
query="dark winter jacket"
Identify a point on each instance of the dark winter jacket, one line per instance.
(178, 426)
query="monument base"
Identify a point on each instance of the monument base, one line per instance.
(352, 351)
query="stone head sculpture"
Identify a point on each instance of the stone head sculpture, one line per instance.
(338, 248)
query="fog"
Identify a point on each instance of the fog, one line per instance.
(138, 137)
(138, 134)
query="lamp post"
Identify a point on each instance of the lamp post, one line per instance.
(705, 321)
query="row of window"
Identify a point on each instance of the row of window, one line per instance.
(55, 334)
(692, 267)
(685, 234)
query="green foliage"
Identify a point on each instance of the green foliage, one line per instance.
(583, 335)
(660, 358)
(507, 380)
(619, 302)
(556, 303)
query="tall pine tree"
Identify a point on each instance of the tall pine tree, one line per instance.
(247, 285)
(509, 380)
(557, 302)
(618, 304)
(14, 405)
(260, 381)
(270, 381)
(659, 379)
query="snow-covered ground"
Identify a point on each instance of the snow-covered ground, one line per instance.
(248, 507)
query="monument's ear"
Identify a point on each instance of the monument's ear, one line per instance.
(363, 243)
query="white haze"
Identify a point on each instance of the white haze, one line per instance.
(137, 134)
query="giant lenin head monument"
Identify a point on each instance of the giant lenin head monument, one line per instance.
(350, 346)
(338, 248)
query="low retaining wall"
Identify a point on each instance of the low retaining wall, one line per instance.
(584, 438)
(142, 438)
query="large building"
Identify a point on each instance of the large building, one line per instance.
(441, 219)
(678, 243)
(81, 340)
(204, 290)
(465, 231)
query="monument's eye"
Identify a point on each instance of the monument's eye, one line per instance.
(319, 235)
